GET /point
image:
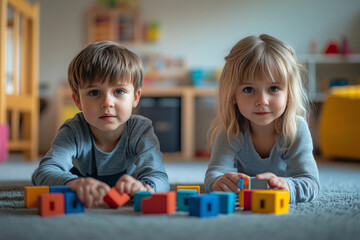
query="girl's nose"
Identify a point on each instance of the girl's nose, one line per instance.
(262, 99)
(108, 102)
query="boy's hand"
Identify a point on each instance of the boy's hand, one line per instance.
(89, 190)
(229, 182)
(273, 180)
(131, 185)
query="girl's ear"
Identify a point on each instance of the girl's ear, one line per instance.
(76, 101)
(137, 96)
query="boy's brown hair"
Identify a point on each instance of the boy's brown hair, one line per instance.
(105, 61)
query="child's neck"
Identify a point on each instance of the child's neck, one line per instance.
(263, 139)
(107, 141)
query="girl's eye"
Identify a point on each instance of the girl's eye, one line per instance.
(94, 93)
(119, 91)
(274, 89)
(248, 90)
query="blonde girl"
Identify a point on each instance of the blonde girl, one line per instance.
(261, 128)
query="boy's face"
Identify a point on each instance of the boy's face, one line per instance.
(106, 107)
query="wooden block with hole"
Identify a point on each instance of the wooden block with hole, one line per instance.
(270, 201)
(51, 204)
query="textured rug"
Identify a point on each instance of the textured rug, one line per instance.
(334, 215)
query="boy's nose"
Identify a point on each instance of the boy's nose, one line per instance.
(108, 102)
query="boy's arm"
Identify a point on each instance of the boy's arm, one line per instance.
(302, 172)
(54, 168)
(222, 161)
(149, 166)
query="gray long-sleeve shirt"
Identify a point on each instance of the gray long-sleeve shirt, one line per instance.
(297, 164)
(137, 153)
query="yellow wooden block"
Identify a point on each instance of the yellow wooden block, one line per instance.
(189, 187)
(31, 194)
(270, 201)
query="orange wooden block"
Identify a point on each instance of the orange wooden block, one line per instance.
(51, 204)
(115, 199)
(159, 203)
(31, 194)
(189, 187)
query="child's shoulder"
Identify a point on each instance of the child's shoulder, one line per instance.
(236, 142)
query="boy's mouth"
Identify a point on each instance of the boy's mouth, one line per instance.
(107, 117)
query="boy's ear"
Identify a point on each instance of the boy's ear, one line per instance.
(76, 101)
(137, 95)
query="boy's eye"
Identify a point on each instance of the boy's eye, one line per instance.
(274, 89)
(248, 90)
(94, 93)
(119, 91)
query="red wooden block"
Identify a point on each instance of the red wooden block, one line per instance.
(159, 203)
(115, 199)
(247, 198)
(51, 204)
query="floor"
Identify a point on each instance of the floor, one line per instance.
(16, 168)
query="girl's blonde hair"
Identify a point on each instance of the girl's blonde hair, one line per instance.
(105, 61)
(255, 58)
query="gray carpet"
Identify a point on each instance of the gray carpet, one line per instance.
(334, 215)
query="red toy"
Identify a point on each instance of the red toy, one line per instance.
(159, 203)
(115, 199)
(51, 204)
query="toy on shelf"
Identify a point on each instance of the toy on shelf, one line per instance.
(4, 135)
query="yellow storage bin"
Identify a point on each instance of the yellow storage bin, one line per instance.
(340, 123)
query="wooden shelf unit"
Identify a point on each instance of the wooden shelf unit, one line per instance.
(122, 25)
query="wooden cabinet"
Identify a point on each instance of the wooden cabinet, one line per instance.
(325, 71)
(122, 25)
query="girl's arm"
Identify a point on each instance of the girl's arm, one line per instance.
(302, 174)
(222, 161)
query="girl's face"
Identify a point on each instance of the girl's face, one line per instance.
(106, 107)
(261, 101)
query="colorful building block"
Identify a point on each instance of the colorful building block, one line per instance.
(115, 199)
(51, 204)
(227, 202)
(189, 187)
(72, 203)
(244, 184)
(137, 200)
(241, 198)
(270, 201)
(59, 189)
(258, 184)
(31, 194)
(204, 205)
(159, 203)
(247, 198)
(182, 199)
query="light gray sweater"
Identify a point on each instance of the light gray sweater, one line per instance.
(297, 164)
(137, 153)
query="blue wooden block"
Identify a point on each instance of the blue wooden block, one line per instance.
(258, 184)
(137, 199)
(72, 203)
(182, 199)
(227, 202)
(241, 184)
(59, 189)
(204, 205)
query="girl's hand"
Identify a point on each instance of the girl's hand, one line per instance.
(229, 182)
(274, 181)
(89, 190)
(131, 185)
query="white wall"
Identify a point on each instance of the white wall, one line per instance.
(201, 31)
